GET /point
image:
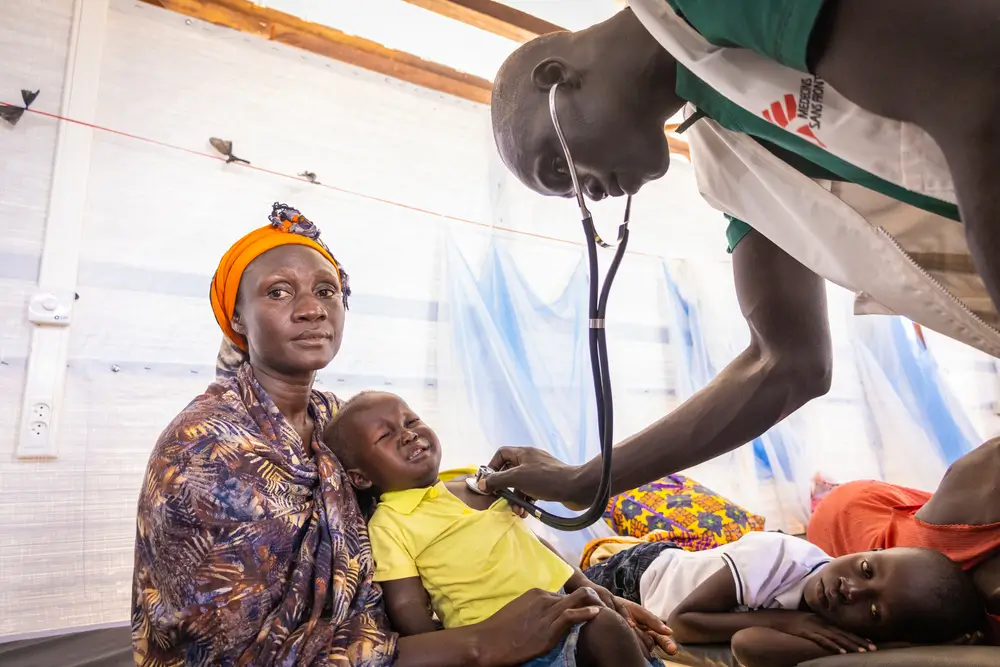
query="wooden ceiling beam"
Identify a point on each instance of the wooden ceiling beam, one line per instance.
(506, 21)
(291, 30)
(491, 16)
(325, 41)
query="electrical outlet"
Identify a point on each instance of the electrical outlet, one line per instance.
(36, 433)
(41, 412)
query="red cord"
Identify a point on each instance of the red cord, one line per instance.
(298, 178)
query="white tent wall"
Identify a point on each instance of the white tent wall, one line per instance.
(974, 378)
(143, 339)
(39, 504)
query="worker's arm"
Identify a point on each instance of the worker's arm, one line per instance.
(786, 364)
(706, 616)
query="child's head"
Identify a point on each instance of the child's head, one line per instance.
(383, 444)
(900, 594)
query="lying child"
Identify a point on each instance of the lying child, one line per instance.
(782, 601)
(440, 547)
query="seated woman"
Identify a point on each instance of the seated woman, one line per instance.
(250, 547)
(961, 520)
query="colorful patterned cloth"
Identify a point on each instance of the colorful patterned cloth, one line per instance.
(249, 551)
(692, 516)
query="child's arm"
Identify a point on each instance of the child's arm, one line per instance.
(406, 601)
(706, 617)
(767, 647)
(408, 606)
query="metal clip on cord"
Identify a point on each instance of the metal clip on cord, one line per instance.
(598, 304)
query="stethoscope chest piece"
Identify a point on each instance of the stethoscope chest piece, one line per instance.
(473, 482)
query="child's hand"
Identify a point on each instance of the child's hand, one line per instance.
(833, 639)
(651, 631)
(970, 639)
(612, 602)
(517, 509)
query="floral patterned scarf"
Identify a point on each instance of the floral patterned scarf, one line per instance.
(248, 551)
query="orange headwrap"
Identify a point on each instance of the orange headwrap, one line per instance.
(288, 227)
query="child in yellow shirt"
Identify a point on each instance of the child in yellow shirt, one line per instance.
(441, 548)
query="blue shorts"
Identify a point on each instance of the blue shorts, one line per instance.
(622, 573)
(564, 653)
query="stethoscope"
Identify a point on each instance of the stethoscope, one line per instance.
(598, 355)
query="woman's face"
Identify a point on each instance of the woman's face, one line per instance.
(291, 310)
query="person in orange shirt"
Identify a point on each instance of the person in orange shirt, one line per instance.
(961, 519)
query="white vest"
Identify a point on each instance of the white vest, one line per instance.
(855, 237)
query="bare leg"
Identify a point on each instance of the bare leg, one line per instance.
(935, 64)
(967, 494)
(607, 641)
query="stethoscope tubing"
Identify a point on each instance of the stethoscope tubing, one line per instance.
(597, 307)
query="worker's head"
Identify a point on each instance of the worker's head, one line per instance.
(383, 444)
(900, 594)
(616, 90)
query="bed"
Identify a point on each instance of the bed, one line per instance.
(927, 656)
(112, 648)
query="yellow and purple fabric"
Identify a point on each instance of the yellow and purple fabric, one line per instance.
(249, 550)
(682, 511)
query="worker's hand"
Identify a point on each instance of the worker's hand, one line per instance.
(536, 474)
(532, 625)
(815, 629)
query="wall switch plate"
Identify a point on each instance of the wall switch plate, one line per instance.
(51, 308)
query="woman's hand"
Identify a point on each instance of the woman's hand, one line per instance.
(833, 639)
(537, 474)
(532, 625)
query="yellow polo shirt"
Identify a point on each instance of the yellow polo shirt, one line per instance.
(471, 563)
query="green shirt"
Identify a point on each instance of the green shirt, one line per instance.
(779, 30)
